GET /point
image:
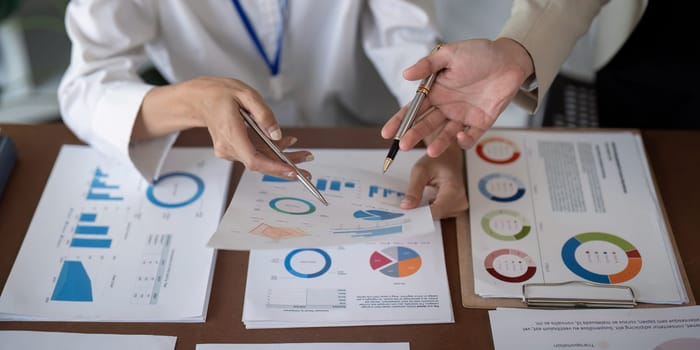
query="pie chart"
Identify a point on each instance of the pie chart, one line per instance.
(396, 261)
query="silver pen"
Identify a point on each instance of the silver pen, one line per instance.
(411, 114)
(309, 186)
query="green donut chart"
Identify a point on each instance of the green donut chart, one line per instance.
(497, 221)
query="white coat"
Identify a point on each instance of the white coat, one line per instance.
(341, 62)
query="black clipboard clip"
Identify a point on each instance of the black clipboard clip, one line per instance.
(579, 294)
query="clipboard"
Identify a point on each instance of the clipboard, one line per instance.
(466, 274)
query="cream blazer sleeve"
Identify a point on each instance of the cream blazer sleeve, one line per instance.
(548, 29)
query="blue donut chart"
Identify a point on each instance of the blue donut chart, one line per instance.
(274, 205)
(519, 193)
(326, 263)
(198, 181)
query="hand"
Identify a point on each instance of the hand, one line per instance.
(214, 103)
(445, 174)
(477, 80)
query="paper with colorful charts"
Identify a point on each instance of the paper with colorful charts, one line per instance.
(106, 245)
(394, 281)
(269, 212)
(549, 207)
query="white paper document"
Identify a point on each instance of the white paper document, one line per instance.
(306, 346)
(398, 279)
(83, 341)
(106, 245)
(676, 328)
(268, 212)
(390, 282)
(549, 207)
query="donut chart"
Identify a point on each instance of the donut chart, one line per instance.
(497, 150)
(292, 206)
(396, 262)
(307, 262)
(510, 265)
(601, 258)
(175, 190)
(505, 225)
(501, 187)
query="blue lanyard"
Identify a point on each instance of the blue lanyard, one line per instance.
(273, 65)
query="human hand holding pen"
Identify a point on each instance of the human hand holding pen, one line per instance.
(411, 114)
(303, 178)
(215, 103)
(477, 80)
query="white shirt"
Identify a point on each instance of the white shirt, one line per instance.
(330, 58)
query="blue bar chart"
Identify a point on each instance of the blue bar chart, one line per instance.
(89, 235)
(383, 192)
(100, 190)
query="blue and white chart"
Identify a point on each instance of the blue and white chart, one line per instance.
(268, 212)
(395, 281)
(106, 245)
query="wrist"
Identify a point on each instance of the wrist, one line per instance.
(519, 58)
(166, 109)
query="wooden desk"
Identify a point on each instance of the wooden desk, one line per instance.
(673, 155)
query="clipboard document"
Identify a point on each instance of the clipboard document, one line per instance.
(548, 207)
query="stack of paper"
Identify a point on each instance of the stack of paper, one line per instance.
(393, 272)
(675, 328)
(389, 282)
(105, 245)
(306, 346)
(549, 207)
(72, 341)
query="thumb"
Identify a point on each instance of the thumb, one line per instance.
(432, 63)
(414, 194)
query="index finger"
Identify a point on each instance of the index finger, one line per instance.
(392, 125)
(251, 101)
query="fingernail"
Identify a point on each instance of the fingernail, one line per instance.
(293, 141)
(275, 133)
(309, 157)
(291, 174)
(405, 202)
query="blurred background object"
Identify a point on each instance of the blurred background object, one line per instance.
(34, 53)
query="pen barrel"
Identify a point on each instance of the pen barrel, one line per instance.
(251, 123)
(410, 116)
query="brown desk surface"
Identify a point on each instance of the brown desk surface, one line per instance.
(673, 155)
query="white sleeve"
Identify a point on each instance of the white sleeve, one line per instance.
(396, 34)
(101, 92)
(548, 29)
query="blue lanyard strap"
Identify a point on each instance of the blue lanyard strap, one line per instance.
(273, 65)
